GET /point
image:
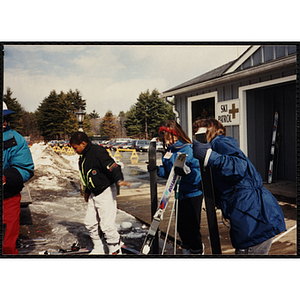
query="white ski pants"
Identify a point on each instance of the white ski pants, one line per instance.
(101, 216)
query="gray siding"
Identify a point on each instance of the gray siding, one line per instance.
(267, 53)
(226, 92)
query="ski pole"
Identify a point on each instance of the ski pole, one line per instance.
(176, 213)
(167, 233)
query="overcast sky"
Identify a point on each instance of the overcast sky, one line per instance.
(109, 77)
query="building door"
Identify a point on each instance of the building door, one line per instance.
(261, 106)
(204, 108)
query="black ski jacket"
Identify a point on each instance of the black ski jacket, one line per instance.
(97, 169)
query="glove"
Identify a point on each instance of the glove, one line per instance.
(13, 182)
(183, 172)
(200, 149)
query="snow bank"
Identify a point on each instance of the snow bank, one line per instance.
(52, 171)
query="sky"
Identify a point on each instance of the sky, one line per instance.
(109, 77)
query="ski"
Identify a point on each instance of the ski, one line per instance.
(36, 241)
(158, 216)
(209, 198)
(128, 250)
(25, 243)
(67, 252)
(273, 144)
(75, 249)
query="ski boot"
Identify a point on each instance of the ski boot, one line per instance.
(98, 248)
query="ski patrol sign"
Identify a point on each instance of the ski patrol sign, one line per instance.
(228, 112)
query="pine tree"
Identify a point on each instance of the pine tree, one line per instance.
(94, 115)
(132, 124)
(56, 115)
(108, 126)
(49, 116)
(30, 126)
(14, 105)
(147, 115)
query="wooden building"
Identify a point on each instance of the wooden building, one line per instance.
(244, 95)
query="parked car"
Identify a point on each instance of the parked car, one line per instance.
(125, 145)
(159, 147)
(109, 144)
(116, 145)
(53, 143)
(142, 145)
(132, 144)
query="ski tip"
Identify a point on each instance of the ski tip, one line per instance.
(146, 249)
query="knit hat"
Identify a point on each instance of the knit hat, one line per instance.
(6, 111)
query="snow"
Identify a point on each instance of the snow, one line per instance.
(126, 225)
(54, 167)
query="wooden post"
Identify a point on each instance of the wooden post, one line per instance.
(153, 189)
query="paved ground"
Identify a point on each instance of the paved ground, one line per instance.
(58, 218)
(137, 203)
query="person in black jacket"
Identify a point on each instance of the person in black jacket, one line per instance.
(99, 174)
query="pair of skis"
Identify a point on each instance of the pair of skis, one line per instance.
(158, 216)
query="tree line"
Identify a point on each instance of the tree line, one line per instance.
(55, 117)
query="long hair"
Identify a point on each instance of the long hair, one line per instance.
(174, 129)
(214, 128)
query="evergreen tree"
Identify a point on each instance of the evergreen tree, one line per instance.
(30, 126)
(146, 116)
(108, 126)
(94, 115)
(49, 116)
(56, 115)
(132, 123)
(14, 105)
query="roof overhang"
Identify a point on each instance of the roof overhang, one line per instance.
(266, 67)
(242, 59)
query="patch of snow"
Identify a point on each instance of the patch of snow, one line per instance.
(134, 235)
(126, 225)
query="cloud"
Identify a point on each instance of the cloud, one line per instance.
(108, 76)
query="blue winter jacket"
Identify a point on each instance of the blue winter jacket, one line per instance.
(18, 165)
(253, 211)
(189, 185)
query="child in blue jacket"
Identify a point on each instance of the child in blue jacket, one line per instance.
(254, 214)
(190, 196)
(18, 167)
